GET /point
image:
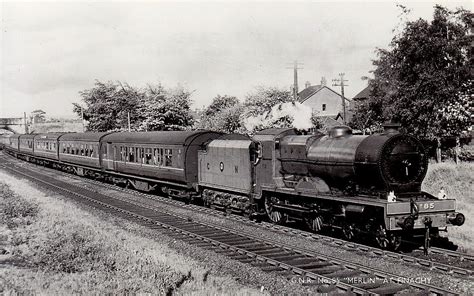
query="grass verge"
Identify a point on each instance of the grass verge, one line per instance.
(53, 247)
(458, 182)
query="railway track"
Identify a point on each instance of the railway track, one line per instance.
(458, 268)
(327, 273)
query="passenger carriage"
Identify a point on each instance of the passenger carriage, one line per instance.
(45, 145)
(26, 145)
(5, 140)
(165, 159)
(82, 149)
(11, 147)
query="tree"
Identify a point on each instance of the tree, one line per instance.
(220, 103)
(423, 81)
(315, 121)
(165, 109)
(223, 115)
(263, 99)
(108, 105)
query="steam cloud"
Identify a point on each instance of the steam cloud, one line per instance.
(299, 113)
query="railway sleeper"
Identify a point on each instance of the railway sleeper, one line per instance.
(271, 268)
(201, 230)
(261, 247)
(222, 235)
(301, 261)
(391, 288)
(247, 244)
(232, 241)
(326, 269)
(270, 251)
(284, 258)
(312, 265)
(343, 274)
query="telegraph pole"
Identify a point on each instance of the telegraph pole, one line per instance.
(26, 122)
(295, 78)
(128, 120)
(82, 119)
(340, 82)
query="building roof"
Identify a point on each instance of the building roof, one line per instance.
(363, 94)
(308, 92)
(312, 90)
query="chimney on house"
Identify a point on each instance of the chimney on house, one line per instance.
(307, 84)
(323, 81)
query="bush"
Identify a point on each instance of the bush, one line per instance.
(14, 210)
(66, 247)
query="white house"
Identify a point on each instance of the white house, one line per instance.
(323, 100)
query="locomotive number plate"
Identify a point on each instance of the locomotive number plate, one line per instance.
(426, 205)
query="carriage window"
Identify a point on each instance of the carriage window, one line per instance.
(148, 155)
(168, 157)
(155, 159)
(131, 155)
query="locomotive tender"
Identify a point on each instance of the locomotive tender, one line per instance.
(364, 186)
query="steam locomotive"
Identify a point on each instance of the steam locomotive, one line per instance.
(362, 186)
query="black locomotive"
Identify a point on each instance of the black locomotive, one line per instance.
(363, 186)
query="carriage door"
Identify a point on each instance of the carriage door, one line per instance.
(110, 157)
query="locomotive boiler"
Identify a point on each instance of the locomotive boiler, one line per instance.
(384, 162)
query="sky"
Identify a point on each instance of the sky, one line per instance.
(50, 51)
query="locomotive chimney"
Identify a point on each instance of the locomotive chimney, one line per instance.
(390, 127)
